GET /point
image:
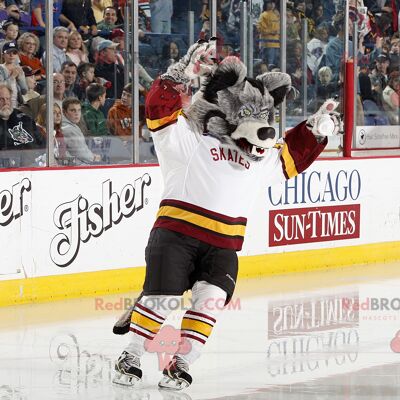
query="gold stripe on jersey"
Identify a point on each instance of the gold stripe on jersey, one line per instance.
(155, 124)
(145, 322)
(202, 221)
(197, 326)
(289, 164)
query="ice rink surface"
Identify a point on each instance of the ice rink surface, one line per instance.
(321, 335)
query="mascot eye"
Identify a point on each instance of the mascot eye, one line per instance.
(245, 112)
(264, 115)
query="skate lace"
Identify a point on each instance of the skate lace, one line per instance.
(131, 360)
(181, 364)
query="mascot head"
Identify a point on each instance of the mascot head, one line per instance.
(239, 111)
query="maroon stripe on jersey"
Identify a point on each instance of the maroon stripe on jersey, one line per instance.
(163, 126)
(149, 311)
(188, 335)
(141, 333)
(284, 167)
(204, 235)
(201, 315)
(303, 147)
(203, 211)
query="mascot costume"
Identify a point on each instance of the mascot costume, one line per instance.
(215, 155)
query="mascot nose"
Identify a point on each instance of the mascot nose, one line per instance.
(266, 133)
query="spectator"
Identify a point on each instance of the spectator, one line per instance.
(118, 37)
(391, 95)
(109, 21)
(76, 49)
(28, 45)
(316, 49)
(60, 149)
(269, 29)
(98, 7)
(318, 14)
(373, 114)
(380, 77)
(10, 30)
(335, 48)
(107, 68)
(60, 42)
(161, 12)
(32, 107)
(17, 130)
(70, 73)
(74, 138)
(14, 13)
(394, 54)
(169, 55)
(94, 118)
(30, 77)
(326, 88)
(11, 72)
(38, 8)
(81, 14)
(293, 26)
(85, 77)
(260, 68)
(119, 119)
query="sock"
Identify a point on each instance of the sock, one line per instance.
(198, 322)
(148, 315)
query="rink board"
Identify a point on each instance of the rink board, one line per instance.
(80, 232)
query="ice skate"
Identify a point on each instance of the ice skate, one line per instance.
(128, 370)
(176, 375)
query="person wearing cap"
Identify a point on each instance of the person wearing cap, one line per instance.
(107, 68)
(12, 73)
(30, 77)
(381, 77)
(109, 21)
(10, 30)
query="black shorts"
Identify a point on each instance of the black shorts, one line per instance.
(174, 262)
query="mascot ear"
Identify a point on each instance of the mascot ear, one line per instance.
(278, 85)
(230, 72)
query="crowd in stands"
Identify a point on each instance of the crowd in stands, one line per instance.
(377, 52)
(92, 90)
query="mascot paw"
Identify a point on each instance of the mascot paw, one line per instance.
(326, 121)
(201, 59)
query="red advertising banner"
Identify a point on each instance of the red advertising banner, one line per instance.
(315, 224)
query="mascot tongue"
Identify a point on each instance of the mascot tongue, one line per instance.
(247, 147)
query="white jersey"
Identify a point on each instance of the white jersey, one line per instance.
(209, 188)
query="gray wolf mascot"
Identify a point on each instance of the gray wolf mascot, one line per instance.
(215, 155)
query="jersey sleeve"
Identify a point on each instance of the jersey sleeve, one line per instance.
(163, 105)
(299, 150)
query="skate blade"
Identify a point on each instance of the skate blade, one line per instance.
(126, 380)
(171, 384)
